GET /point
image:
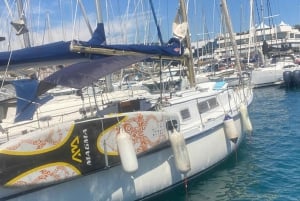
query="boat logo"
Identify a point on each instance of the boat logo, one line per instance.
(87, 147)
(76, 151)
(76, 155)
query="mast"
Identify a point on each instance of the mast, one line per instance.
(230, 30)
(262, 18)
(108, 78)
(156, 23)
(99, 13)
(85, 17)
(189, 57)
(24, 29)
(251, 31)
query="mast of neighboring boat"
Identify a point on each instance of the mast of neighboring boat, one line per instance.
(230, 30)
(23, 17)
(156, 23)
(251, 31)
(262, 18)
(263, 29)
(47, 28)
(85, 17)
(189, 57)
(213, 30)
(108, 78)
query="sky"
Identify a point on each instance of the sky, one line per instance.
(131, 21)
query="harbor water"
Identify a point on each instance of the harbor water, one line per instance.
(266, 166)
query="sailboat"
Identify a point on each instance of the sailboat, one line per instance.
(127, 151)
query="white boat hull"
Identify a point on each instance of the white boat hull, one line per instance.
(269, 76)
(205, 150)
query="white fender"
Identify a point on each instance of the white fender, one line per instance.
(246, 122)
(230, 129)
(127, 152)
(181, 155)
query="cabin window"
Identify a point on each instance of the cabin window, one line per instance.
(185, 114)
(203, 107)
(213, 103)
(207, 105)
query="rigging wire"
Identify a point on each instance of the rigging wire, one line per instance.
(74, 20)
(62, 21)
(38, 20)
(156, 23)
(8, 9)
(257, 10)
(136, 38)
(107, 22)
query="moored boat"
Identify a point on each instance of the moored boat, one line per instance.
(124, 152)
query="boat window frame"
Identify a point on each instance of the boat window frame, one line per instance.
(213, 103)
(207, 105)
(203, 107)
(185, 114)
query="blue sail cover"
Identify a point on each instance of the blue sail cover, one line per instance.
(84, 74)
(59, 52)
(172, 48)
(27, 101)
(98, 36)
(52, 53)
